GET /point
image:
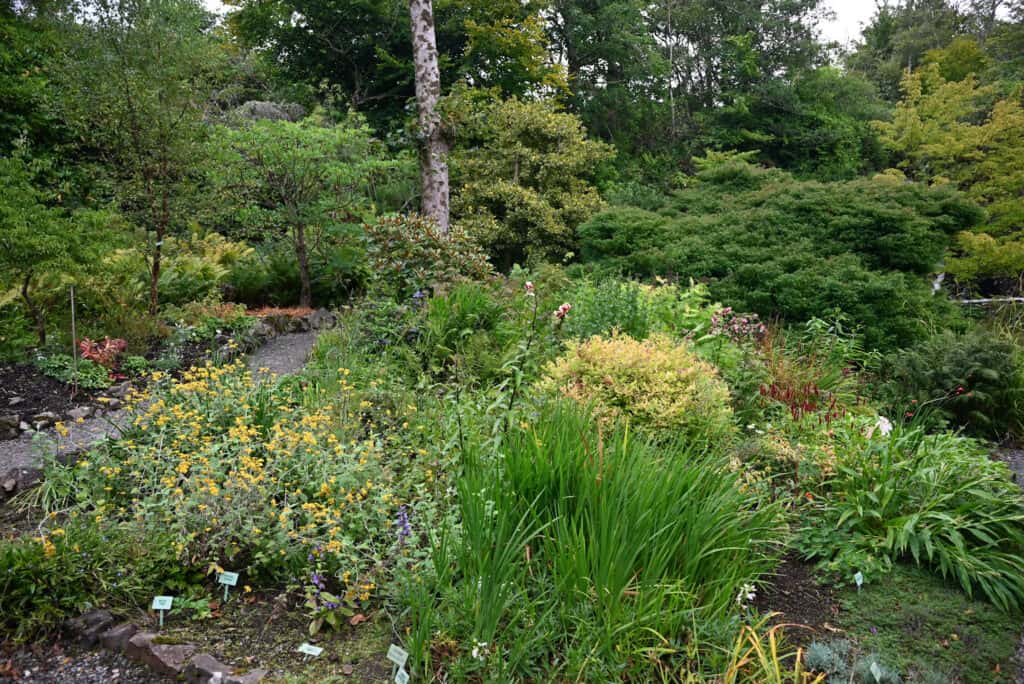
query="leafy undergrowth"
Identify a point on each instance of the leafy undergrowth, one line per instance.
(930, 630)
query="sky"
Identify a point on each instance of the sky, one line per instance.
(850, 16)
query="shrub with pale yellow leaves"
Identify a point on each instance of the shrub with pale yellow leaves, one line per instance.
(658, 384)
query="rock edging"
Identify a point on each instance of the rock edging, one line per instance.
(182, 661)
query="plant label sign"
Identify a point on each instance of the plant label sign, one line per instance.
(310, 650)
(397, 655)
(160, 604)
(401, 677)
(228, 579)
(859, 579)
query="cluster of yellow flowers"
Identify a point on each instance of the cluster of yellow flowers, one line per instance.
(231, 463)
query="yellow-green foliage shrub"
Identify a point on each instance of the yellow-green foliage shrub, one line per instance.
(657, 383)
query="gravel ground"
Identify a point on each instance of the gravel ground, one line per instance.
(285, 354)
(24, 452)
(52, 664)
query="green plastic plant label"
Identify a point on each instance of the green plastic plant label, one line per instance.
(397, 655)
(162, 602)
(228, 578)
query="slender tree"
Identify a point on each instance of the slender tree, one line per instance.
(433, 145)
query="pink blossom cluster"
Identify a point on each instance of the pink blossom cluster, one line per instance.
(736, 326)
(561, 312)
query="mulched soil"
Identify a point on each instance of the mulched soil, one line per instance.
(799, 599)
(38, 392)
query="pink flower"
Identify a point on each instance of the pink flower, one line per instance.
(561, 311)
(529, 288)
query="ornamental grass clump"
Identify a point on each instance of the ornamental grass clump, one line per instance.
(657, 383)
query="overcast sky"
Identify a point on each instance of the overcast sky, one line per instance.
(851, 15)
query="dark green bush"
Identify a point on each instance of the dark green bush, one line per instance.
(408, 254)
(780, 247)
(972, 380)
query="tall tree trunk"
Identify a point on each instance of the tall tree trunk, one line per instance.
(154, 268)
(33, 308)
(434, 147)
(306, 293)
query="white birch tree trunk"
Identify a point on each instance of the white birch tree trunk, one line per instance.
(433, 145)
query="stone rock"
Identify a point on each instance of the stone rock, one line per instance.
(279, 322)
(90, 626)
(119, 390)
(44, 419)
(24, 427)
(112, 404)
(263, 330)
(116, 638)
(322, 318)
(257, 109)
(250, 677)
(203, 668)
(14, 401)
(80, 412)
(168, 659)
(18, 480)
(299, 324)
(9, 421)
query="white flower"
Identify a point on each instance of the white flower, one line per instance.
(884, 425)
(480, 650)
(747, 594)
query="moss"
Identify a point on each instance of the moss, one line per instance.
(925, 627)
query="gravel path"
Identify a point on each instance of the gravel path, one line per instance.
(54, 665)
(23, 452)
(285, 354)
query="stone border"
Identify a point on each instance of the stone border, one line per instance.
(181, 661)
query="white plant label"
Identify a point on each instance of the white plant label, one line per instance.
(397, 655)
(401, 677)
(310, 650)
(859, 579)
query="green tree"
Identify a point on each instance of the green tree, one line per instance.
(521, 175)
(898, 37)
(363, 48)
(309, 181)
(135, 87)
(38, 239)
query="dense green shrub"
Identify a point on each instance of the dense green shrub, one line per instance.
(45, 580)
(655, 383)
(770, 244)
(521, 173)
(408, 254)
(937, 499)
(973, 380)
